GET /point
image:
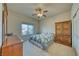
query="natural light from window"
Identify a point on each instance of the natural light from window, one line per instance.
(27, 29)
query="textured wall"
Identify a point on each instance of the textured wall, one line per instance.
(15, 20)
(48, 25)
(75, 27)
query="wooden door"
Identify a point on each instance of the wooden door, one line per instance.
(63, 33)
(67, 28)
(58, 28)
(67, 40)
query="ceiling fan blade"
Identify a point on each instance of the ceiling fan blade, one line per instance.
(34, 14)
(36, 9)
(38, 17)
(45, 11)
(44, 15)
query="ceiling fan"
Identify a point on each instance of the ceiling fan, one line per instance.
(39, 12)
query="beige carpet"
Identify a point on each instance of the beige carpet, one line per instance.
(57, 49)
(54, 49)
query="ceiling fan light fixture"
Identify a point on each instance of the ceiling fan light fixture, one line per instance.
(39, 12)
(39, 15)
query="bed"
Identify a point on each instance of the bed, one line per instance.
(33, 47)
(42, 40)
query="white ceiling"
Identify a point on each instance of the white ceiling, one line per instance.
(27, 9)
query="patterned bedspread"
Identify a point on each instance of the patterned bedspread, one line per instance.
(42, 40)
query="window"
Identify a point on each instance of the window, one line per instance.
(27, 29)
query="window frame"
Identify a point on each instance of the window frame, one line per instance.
(27, 24)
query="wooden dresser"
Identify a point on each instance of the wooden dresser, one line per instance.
(63, 32)
(12, 47)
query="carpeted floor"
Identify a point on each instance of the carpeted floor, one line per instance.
(57, 49)
(54, 49)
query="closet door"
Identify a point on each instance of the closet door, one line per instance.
(58, 28)
(67, 40)
(67, 33)
(67, 28)
(63, 33)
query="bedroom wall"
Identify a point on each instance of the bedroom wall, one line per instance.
(15, 20)
(75, 28)
(0, 24)
(48, 25)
